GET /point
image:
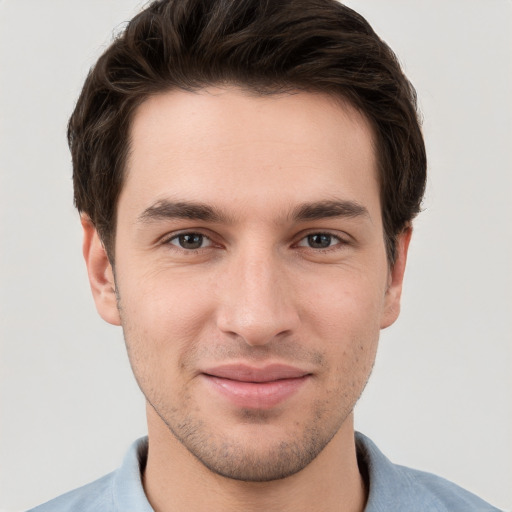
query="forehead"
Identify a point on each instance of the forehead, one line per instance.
(233, 148)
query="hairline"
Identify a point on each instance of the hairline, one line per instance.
(339, 96)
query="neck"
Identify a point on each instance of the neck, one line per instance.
(175, 480)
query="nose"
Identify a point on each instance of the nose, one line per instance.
(257, 300)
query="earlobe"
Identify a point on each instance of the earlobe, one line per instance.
(101, 275)
(396, 279)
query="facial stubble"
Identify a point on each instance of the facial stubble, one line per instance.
(242, 459)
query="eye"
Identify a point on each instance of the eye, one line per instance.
(319, 241)
(190, 241)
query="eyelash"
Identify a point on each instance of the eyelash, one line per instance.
(339, 241)
(169, 241)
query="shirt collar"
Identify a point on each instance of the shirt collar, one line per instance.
(390, 487)
(128, 492)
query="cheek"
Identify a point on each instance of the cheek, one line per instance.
(345, 318)
(162, 318)
(347, 307)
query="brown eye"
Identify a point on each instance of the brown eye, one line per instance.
(190, 241)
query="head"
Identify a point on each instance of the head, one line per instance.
(264, 47)
(248, 172)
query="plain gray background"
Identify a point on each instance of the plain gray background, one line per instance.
(440, 396)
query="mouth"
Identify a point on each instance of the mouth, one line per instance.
(256, 388)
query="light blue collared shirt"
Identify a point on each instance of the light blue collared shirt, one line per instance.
(392, 488)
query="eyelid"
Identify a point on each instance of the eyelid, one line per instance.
(204, 239)
(343, 239)
(168, 239)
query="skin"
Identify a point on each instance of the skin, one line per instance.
(263, 284)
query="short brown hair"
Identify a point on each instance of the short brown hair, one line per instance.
(267, 46)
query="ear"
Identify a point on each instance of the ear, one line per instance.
(101, 275)
(396, 279)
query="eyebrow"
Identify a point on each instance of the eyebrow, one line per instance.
(316, 210)
(181, 210)
(325, 209)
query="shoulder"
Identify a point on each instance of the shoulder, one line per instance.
(118, 491)
(398, 488)
(97, 495)
(441, 493)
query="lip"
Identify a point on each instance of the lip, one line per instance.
(256, 388)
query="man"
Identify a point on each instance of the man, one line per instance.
(247, 173)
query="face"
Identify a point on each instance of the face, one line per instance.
(251, 273)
